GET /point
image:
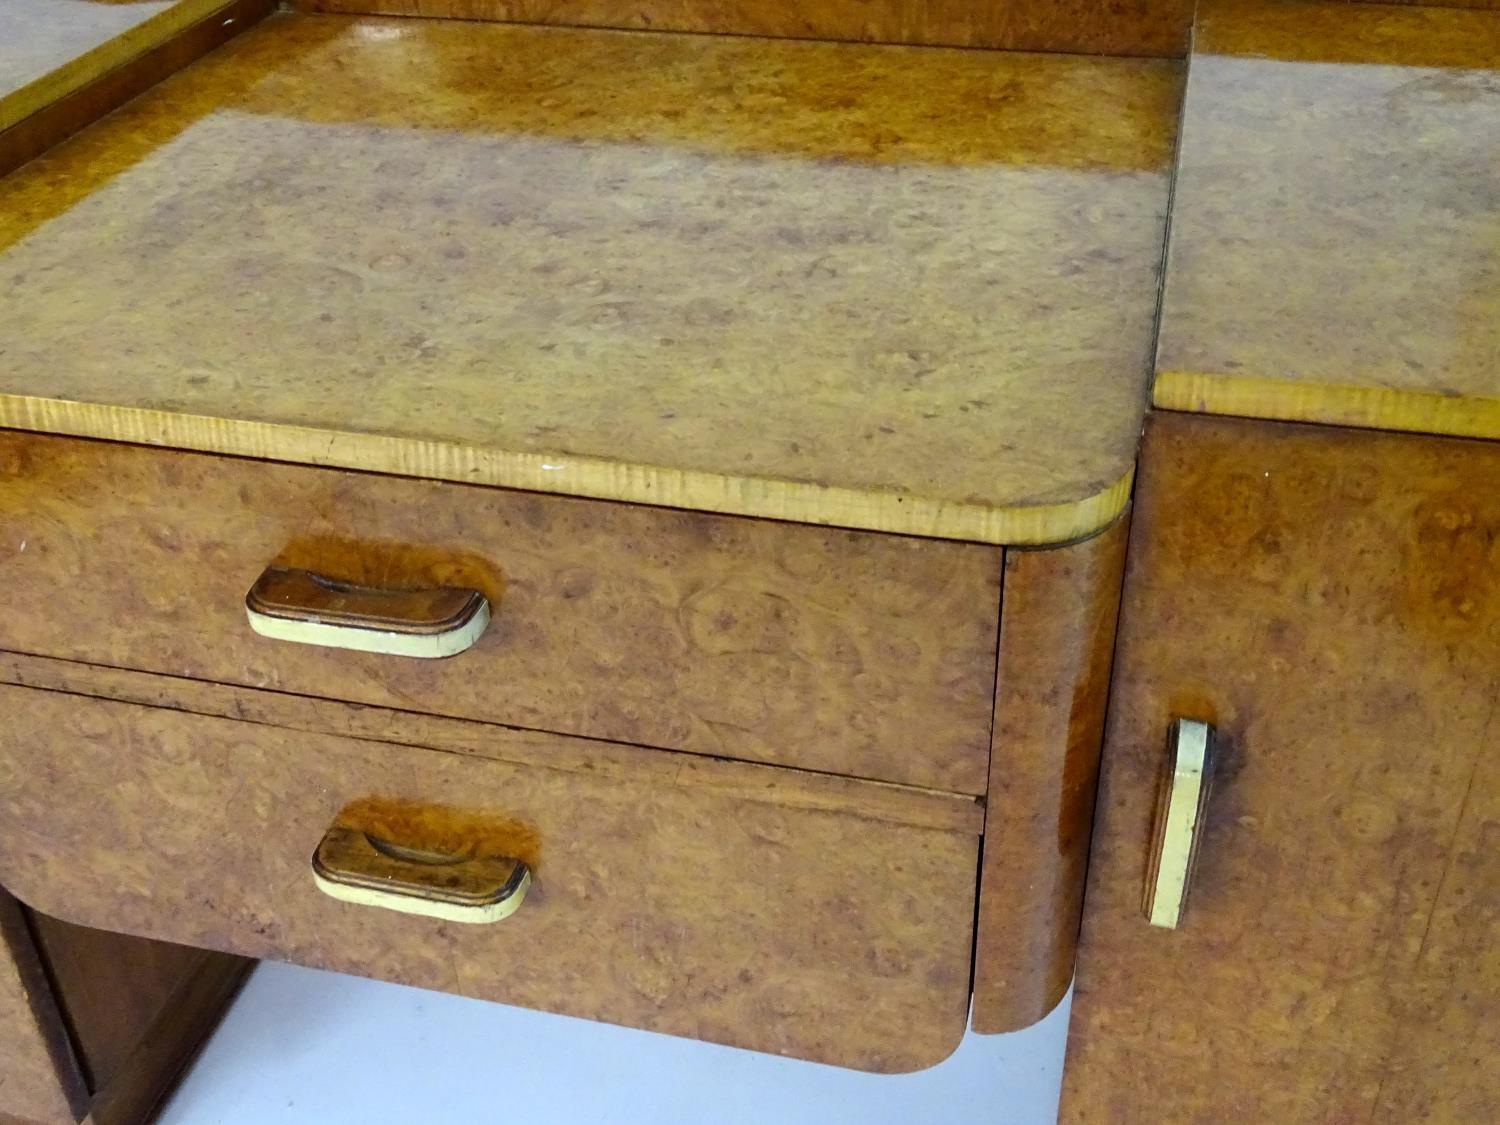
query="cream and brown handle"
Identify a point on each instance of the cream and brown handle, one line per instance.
(287, 604)
(354, 866)
(1180, 815)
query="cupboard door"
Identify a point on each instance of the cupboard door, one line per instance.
(1329, 603)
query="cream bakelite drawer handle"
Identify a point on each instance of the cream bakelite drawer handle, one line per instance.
(298, 605)
(353, 866)
(1180, 814)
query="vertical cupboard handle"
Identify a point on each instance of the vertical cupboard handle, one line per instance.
(1180, 813)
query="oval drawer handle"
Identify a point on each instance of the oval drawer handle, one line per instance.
(286, 604)
(353, 866)
(1180, 813)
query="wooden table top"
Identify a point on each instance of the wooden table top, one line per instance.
(49, 48)
(1335, 247)
(906, 289)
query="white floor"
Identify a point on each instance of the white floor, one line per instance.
(304, 1046)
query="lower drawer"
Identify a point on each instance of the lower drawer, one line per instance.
(814, 917)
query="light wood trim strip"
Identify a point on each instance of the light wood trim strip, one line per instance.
(574, 476)
(776, 785)
(1374, 408)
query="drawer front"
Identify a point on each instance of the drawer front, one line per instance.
(659, 899)
(854, 653)
(1329, 601)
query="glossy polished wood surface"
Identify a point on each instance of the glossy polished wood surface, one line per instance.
(1335, 225)
(791, 789)
(49, 48)
(39, 1077)
(841, 651)
(1329, 600)
(803, 932)
(582, 262)
(1056, 642)
(1089, 27)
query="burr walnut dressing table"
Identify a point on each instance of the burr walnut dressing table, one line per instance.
(632, 523)
(734, 380)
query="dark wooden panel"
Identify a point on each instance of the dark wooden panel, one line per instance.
(39, 1077)
(1330, 601)
(1056, 640)
(111, 988)
(144, 1078)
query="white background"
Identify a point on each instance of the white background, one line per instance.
(317, 1048)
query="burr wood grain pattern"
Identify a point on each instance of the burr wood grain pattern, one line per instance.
(792, 789)
(892, 288)
(39, 1077)
(806, 933)
(1328, 600)
(1334, 222)
(849, 652)
(1090, 27)
(69, 110)
(1056, 643)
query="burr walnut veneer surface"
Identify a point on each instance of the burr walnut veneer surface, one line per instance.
(1104, 27)
(1335, 249)
(896, 288)
(721, 915)
(1330, 601)
(848, 652)
(1056, 642)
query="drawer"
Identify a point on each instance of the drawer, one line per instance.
(1329, 603)
(810, 916)
(845, 652)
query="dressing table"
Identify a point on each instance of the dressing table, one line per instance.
(632, 522)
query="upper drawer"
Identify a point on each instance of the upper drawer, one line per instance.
(847, 652)
(805, 915)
